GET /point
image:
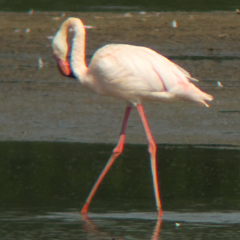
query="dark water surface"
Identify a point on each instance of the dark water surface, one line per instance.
(44, 185)
(121, 5)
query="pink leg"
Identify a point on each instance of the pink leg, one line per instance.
(152, 150)
(116, 152)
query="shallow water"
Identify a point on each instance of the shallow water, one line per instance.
(44, 185)
(70, 225)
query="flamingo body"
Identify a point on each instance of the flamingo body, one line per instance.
(131, 73)
(135, 74)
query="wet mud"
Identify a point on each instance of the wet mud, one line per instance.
(38, 104)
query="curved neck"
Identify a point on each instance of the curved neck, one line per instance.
(78, 64)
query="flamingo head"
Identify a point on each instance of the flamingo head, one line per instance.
(60, 50)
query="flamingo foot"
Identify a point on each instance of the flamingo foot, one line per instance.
(85, 208)
(160, 213)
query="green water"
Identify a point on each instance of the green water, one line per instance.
(44, 185)
(46, 173)
(120, 5)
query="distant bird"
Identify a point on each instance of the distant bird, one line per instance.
(126, 72)
(219, 84)
(174, 24)
(30, 11)
(40, 63)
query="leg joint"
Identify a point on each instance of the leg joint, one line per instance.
(152, 148)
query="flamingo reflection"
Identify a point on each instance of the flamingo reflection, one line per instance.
(91, 227)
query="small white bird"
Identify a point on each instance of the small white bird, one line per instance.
(40, 63)
(88, 27)
(128, 15)
(126, 72)
(219, 84)
(56, 18)
(50, 37)
(174, 24)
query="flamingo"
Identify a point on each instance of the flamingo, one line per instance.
(130, 73)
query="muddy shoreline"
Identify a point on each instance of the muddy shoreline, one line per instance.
(38, 104)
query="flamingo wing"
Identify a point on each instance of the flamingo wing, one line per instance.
(134, 73)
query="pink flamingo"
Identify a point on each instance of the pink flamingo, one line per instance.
(130, 73)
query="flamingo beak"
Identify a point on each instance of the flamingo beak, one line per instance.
(63, 66)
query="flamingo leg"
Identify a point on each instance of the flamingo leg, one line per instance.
(116, 152)
(152, 150)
